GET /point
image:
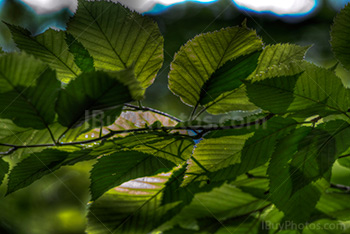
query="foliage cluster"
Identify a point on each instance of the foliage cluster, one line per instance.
(66, 98)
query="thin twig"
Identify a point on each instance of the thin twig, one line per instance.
(154, 111)
(193, 112)
(199, 113)
(341, 187)
(344, 156)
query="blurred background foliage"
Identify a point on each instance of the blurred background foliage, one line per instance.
(57, 203)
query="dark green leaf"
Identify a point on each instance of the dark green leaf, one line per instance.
(224, 202)
(228, 77)
(113, 170)
(40, 164)
(134, 207)
(96, 96)
(341, 37)
(28, 91)
(281, 185)
(174, 148)
(82, 57)
(315, 157)
(335, 205)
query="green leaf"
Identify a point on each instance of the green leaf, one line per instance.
(223, 203)
(174, 148)
(40, 164)
(82, 57)
(50, 47)
(196, 62)
(315, 157)
(277, 92)
(341, 37)
(124, 38)
(228, 77)
(10, 133)
(113, 170)
(335, 205)
(4, 168)
(255, 152)
(274, 59)
(134, 207)
(315, 89)
(96, 96)
(281, 184)
(28, 91)
(277, 59)
(213, 154)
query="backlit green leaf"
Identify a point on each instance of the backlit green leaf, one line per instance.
(197, 61)
(113, 170)
(49, 47)
(124, 38)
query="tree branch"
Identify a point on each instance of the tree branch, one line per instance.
(142, 108)
(204, 129)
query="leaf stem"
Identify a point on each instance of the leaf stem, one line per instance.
(193, 112)
(199, 113)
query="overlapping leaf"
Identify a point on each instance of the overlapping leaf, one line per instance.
(281, 184)
(28, 91)
(315, 89)
(216, 153)
(50, 47)
(133, 207)
(124, 38)
(82, 57)
(113, 170)
(40, 164)
(96, 96)
(335, 205)
(174, 148)
(274, 59)
(223, 203)
(195, 64)
(341, 37)
(255, 152)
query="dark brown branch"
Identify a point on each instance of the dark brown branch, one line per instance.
(204, 129)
